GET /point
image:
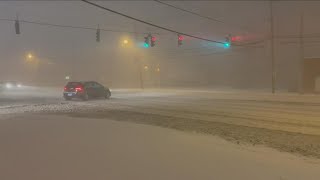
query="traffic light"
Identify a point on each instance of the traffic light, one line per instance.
(17, 26)
(227, 44)
(180, 39)
(146, 42)
(153, 41)
(98, 35)
(236, 38)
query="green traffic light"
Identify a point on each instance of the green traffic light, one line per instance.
(146, 45)
(226, 45)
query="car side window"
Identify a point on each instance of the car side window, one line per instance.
(88, 85)
(97, 85)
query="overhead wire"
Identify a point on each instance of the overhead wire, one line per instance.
(191, 12)
(71, 26)
(151, 24)
(197, 14)
(193, 50)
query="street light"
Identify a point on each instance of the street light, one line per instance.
(29, 56)
(125, 42)
(146, 68)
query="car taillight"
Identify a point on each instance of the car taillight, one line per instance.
(65, 88)
(79, 89)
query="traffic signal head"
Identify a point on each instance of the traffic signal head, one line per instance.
(227, 43)
(146, 42)
(236, 38)
(17, 27)
(146, 45)
(98, 35)
(153, 41)
(180, 39)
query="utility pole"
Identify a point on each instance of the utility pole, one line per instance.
(301, 64)
(272, 50)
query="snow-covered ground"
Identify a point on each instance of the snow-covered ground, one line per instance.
(37, 147)
(251, 121)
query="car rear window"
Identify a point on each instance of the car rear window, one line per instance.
(74, 84)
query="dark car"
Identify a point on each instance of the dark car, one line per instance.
(85, 90)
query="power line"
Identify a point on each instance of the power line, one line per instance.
(151, 24)
(191, 12)
(89, 28)
(196, 14)
(71, 26)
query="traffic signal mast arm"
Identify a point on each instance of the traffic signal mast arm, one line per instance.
(154, 25)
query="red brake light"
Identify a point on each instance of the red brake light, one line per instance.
(65, 88)
(79, 88)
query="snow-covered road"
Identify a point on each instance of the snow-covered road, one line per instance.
(37, 147)
(250, 120)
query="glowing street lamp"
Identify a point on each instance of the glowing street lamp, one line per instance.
(146, 68)
(125, 42)
(29, 56)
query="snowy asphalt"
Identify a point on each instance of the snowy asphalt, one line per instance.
(134, 135)
(286, 122)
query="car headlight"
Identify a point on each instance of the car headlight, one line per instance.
(19, 85)
(8, 85)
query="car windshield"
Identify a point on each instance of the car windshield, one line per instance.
(159, 90)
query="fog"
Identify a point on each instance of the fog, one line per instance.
(62, 52)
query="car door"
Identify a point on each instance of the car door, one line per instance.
(90, 89)
(100, 92)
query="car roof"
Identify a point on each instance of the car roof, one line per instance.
(82, 82)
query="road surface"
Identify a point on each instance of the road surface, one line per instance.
(278, 136)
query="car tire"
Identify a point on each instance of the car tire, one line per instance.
(85, 97)
(108, 95)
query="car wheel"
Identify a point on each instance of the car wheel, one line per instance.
(108, 94)
(85, 97)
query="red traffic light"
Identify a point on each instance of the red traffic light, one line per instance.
(236, 38)
(153, 38)
(180, 38)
